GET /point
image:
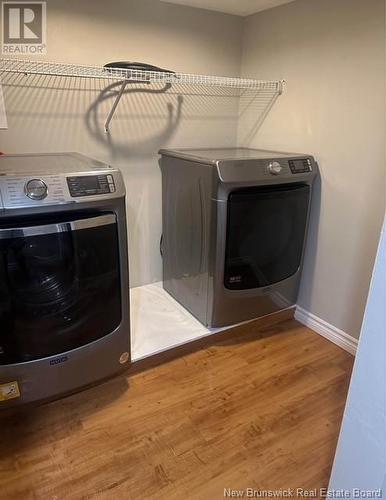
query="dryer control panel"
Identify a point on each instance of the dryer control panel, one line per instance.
(300, 166)
(266, 170)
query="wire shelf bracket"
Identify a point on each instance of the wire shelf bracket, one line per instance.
(28, 67)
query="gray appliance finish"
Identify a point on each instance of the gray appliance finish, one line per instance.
(64, 289)
(234, 230)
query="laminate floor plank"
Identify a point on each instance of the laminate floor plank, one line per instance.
(258, 409)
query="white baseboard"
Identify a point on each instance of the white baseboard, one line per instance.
(330, 332)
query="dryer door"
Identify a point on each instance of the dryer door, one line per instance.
(265, 235)
(59, 286)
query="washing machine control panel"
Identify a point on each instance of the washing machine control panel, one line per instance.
(36, 189)
(46, 180)
(300, 166)
(91, 185)
(31, 191)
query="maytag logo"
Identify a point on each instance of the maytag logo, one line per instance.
(24, 28)
(57, 361)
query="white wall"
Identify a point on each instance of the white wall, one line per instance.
(360, 460)
(332, 54)
(57, 114)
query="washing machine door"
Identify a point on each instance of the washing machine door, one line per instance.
(265, 235)
(59, 286)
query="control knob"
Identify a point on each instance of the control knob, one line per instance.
(274, 168)
(36, 189)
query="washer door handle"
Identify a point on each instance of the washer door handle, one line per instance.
(61, 227)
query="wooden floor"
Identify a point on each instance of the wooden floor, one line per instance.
(261, 410)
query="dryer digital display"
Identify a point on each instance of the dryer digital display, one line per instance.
(300, 166)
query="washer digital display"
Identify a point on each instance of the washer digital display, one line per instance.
(90, 185)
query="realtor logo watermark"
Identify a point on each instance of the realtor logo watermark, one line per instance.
(24, 28)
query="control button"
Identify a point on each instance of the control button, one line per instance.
(112, 188)
(110, 179)
(275, 168)
(36, 189)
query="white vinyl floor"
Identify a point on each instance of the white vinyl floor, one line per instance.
(159, 323)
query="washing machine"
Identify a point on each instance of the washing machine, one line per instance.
(234, 230)
(64, 292)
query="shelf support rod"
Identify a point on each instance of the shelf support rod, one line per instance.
(114, 107)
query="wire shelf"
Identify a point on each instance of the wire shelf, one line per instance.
(28, 67)
(125, 77)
